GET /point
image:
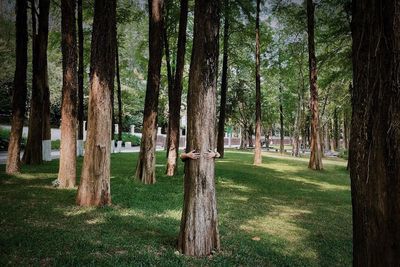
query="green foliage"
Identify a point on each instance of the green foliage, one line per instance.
(5, 137)
(277, 214)
(127, 137)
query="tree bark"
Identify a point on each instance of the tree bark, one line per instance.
(94, 189)
(224, 84)
(145, 168)
(316, 155)
(257, 149)
(20, 87)
(175, 96)
(199, 235)
(80, 72)
(375, 133)
(33, 149)
(282, 132)
(297, 122)
(336, 128)
(67, 170)
(119, 94)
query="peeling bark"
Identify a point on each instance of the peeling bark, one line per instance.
(199, 235)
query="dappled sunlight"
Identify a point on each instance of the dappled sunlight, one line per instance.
(321, 184)
(280, 223)
(75, 211)
(231, 185)
(170, 214)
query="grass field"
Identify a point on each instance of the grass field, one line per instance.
(277, 214)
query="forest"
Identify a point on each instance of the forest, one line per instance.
(122, 122)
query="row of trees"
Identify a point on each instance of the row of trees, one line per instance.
(374, 129)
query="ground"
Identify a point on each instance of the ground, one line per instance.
(277, 214)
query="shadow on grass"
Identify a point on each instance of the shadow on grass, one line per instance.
(277, 214)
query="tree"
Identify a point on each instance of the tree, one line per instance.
(94, 188)
(80, 71)
(33, 150)
(257, 149)
(67, 169)
(119, 95)
(20, 87)
(175, 95)
(375, 133)
(145, 168)
(199, 233)
(316, 155)
(224, 83)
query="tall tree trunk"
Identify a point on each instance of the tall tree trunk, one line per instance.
(80, 72)
(94, 189)
(297, 122)
(257, 149)
(345, 131)
(336, 128)
(20, 87)
(170, 77)
(224, 83)
(33, 150)
(176, 95)
(146, 165)
(199, 234)
(375, 133)
(316, 155)
(119, 94)
(67, 170)
(282, 132)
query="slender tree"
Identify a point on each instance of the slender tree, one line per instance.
(375, 133)
(20, 87)
(199, 233)
(80, 71)
(175, 95)
(316, 155)
(145, 168)
(67, 170)
(257, 149)
(94, 188)
(282, 132)
(119, 94)
(224, 83)
(33, 150)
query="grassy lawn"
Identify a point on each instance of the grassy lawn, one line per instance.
(278, 214)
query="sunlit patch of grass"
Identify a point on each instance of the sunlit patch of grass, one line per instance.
(277, 214)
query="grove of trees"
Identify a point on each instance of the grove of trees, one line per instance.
(167, 58)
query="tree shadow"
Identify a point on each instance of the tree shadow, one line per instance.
(265, 218)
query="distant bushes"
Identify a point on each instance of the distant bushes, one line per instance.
(127, 137)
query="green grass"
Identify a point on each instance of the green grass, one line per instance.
(277, 214)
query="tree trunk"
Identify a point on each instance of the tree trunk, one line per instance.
(146, 165)
(94, 189)
(175, 95)
(345, 131)
(20, 87)
(33, 150)
(67, 170)
(119, 96)
(80, 72)
(375, 133)
(336, 128)
(257, 149)
(282, 132)
(224, 84)
(296, 133)
(199, 235)
(250, 135)
(316, 156)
